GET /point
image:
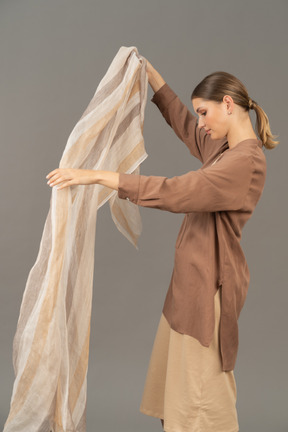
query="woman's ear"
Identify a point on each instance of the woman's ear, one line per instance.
(229, 103)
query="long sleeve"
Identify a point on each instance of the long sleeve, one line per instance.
(223, 186)
(185, 124)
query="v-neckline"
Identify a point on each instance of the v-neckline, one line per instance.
(259, 143)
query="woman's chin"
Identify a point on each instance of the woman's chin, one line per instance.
(215, 136)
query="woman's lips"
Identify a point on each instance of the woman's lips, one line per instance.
(208, 131)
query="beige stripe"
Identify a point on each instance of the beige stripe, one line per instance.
(126, 122)
(80, 373)
(78, 248)
(107, 89)
(120, 216)
(29, 301)
(80, 145)
(41, 332)
(135, 88)
(58, 406)
(135, 155)
(92, 157)
(123, 167)
(125, 164)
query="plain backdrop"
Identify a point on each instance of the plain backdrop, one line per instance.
(53, 55)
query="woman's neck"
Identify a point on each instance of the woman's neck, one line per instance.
(240, 132)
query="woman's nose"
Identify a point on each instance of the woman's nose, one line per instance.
(201, 123)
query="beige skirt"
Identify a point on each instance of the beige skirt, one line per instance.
(185, 384)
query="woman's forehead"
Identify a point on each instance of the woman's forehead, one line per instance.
(199, 103)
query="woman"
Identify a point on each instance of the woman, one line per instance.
(190, 383)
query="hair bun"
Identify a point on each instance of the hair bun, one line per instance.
(251, 103)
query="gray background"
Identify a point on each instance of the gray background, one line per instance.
(53, 56)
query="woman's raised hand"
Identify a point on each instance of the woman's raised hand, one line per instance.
(155, 79)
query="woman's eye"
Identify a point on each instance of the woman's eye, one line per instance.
(204, 113)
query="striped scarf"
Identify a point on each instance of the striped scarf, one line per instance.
(51, 344)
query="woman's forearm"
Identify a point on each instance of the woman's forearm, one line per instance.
(156, 81)
(64, 177)
(107, 178)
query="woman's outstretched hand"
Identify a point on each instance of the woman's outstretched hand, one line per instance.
(70, 176)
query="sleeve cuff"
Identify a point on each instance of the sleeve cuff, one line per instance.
(128, 187)
(163, 97)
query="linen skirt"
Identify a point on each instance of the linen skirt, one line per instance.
(185, 385)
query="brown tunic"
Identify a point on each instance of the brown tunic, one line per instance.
(217, 201)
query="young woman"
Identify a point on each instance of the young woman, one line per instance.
(190, 383)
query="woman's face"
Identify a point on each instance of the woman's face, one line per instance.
(212, 116)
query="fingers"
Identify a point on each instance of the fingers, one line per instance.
(66, 184)
(55, 179)
(59, 176)
(52, 173)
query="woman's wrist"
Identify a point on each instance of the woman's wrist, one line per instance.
(106, 178)
(149, 68)
(156, 81)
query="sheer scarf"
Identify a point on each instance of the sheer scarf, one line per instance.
(51, 344)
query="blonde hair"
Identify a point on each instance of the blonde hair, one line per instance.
(218, 84)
